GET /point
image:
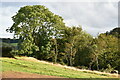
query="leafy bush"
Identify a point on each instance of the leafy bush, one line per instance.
(6, 50)
(109, 69)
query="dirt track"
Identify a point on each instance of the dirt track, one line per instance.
(11, 75)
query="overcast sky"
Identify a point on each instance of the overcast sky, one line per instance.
(94, 17)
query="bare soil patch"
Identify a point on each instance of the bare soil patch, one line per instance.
(13, 74)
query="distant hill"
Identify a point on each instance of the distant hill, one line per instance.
(115, 32)
(8, 40)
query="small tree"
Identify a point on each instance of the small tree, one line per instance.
(72, 36)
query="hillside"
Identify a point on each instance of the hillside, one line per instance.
(32, 65)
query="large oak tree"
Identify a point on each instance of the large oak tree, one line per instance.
(35, 26)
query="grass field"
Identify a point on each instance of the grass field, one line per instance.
(14, 44)
(10, 64)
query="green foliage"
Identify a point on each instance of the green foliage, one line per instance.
(109, 68)
(71, 35)
(6, 49)
(109, 50)
(83, 55)
(115, 32)
(34, 26)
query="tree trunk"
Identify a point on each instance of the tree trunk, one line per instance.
(71, 57)
(56, 51)
(97, 63)
(90, 65)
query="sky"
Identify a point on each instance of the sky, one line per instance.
(94, 17)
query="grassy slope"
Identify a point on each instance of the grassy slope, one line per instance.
(9, 64)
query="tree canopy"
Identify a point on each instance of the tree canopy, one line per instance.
(35, 26)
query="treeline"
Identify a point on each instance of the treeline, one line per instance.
(43, 35)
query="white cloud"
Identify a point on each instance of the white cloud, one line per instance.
(93, 16)
(6, 20)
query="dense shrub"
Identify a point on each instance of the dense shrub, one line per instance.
(6, 50)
